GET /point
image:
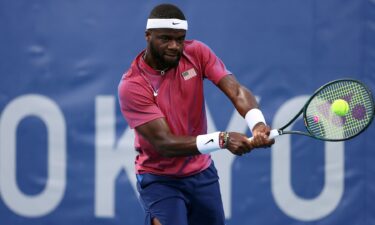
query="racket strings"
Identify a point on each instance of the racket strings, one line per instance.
(323, 123)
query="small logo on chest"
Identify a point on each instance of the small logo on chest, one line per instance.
(190, 73)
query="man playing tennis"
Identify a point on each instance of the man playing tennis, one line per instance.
(161, 97)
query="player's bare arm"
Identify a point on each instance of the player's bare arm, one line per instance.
(243, 100)
(167, 144)
(157, 132)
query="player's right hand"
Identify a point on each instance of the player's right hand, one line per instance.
(239, 144)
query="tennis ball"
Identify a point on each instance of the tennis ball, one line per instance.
(340, 107)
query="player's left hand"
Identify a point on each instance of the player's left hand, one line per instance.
(261, 134)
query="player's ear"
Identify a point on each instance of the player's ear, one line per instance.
(147, 35)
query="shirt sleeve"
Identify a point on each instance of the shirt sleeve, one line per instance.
(213, 67)
(137, 104)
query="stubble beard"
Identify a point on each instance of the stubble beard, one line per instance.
(159, 58)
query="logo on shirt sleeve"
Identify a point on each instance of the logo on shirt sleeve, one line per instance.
(189, 74)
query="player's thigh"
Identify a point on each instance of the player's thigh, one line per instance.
(207, 203)
(169, 211)
(208, 208)
(162, 199)
(155, 221)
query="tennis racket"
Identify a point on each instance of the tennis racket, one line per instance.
(323, 124)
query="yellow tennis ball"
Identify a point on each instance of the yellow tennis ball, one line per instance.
(340, 107)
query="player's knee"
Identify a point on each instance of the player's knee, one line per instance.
(155, 221)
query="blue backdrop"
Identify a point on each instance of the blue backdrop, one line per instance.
(66, 153)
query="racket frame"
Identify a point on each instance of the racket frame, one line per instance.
(304, 108)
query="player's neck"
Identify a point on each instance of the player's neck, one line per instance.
(153, 64)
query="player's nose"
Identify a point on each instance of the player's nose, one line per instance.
(173, 45)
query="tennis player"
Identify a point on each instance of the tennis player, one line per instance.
(161, 97)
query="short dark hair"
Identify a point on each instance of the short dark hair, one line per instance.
(166, 11)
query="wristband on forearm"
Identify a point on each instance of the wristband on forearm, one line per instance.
(207, 143)
(253, 117)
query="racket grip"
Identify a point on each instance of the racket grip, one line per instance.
(273, 133)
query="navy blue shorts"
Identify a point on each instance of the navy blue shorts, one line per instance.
(193, 200)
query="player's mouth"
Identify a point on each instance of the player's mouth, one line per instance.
(171, 57)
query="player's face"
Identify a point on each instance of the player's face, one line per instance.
(166, 46)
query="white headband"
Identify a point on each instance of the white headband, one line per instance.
(167, 23)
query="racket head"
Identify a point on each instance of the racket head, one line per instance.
(324, 124)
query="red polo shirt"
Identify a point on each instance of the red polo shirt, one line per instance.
(179, 100)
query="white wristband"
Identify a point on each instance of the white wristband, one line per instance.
(253, 117)
(207, 143)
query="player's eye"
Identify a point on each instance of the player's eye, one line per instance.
(180, 40)
(164, 38)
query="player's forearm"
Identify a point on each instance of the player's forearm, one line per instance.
(243, 100)
(175, 146)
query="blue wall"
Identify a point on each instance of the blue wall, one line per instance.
(66, 153)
